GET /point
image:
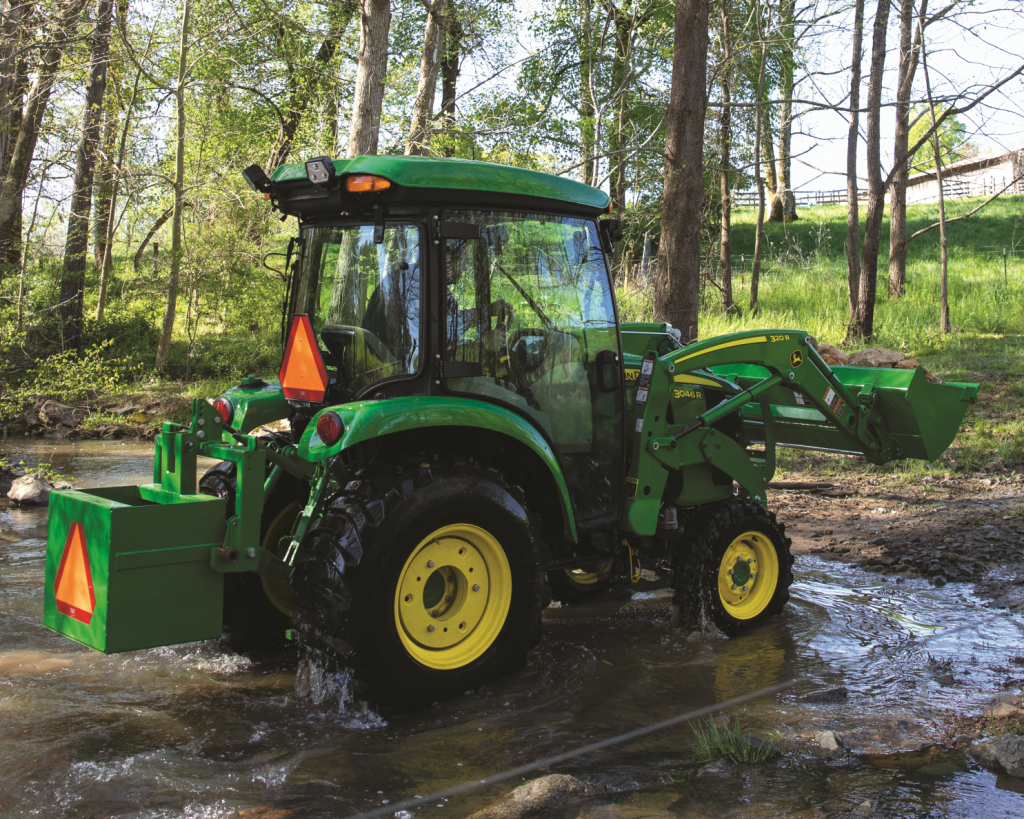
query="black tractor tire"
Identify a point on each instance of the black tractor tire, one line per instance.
(720, 538)
(366, 548)
(251, 620)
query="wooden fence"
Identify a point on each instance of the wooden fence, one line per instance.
(804, 199)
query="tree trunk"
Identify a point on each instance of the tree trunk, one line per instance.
(373, 65)
(852, 211)
(38, 98)
(107, 265)
(72, 287)
(421, 125)
(104, 183)
(451, 58)
(14, 34)
(724, 184)
(624, 23)
(876, 186)
(759, 117)
(677, 288)
(588, 113)
(784, 194)
(771, 175)
(944, 321)
(163, 348)
(900, 174)
(13, 84)
(304, 85)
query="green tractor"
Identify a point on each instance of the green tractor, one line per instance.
(472, 429)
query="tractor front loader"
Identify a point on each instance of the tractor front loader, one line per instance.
(472, 430)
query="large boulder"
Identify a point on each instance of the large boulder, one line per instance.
(875, 357)
(546, 793)
(833, 356)
(1006, 752)
(30, 490)
(53, 413)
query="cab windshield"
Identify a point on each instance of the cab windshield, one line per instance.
(363, 300)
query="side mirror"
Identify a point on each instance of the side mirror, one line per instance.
(611, 232)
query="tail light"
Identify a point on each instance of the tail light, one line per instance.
(226, 409)
(330, 427)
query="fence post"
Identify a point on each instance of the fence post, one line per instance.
(1005, 280)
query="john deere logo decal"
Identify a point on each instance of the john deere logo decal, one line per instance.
(796, 358)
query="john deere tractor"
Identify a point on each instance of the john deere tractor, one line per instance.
(472, 429)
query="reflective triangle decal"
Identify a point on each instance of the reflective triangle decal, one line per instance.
(303, 375)
(73, 586)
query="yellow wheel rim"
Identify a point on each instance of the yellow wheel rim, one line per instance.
(585, 578)
(453, 596)
(748, 575)
(281, 596)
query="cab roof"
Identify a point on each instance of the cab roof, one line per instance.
(451, 175)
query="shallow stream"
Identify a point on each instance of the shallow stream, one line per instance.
(199, 731)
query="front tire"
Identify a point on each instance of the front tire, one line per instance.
(425, 578)
(733, 566)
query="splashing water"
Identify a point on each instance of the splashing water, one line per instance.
(319, 680)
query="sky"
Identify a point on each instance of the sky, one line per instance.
(983, 44)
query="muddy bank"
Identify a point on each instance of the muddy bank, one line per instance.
(133, 416)
(956, 528)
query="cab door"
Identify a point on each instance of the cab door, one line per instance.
(529, 310)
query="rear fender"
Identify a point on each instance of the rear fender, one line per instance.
(367, 420)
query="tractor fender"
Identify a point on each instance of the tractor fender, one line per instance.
(257, 404)
(366, 420)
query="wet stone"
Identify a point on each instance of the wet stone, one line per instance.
(717, 768)
(866, 808)
(546, 793)
(29, 490)
(832, 695)
(828, 741)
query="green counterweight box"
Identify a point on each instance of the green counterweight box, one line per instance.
(130, 567)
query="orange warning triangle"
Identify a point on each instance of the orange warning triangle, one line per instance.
(303, 374)
(73, 586)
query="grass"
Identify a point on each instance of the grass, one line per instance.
(727, 740)
(803, 285)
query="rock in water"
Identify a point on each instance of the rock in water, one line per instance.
(29, 490)
(717, 768)
(875, 357)
(1006, 752)
(541, 794)
(828, 741)
(833, 355)
(831, 695)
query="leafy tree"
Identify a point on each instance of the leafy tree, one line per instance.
(953, 142)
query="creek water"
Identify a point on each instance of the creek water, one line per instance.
(200, 731)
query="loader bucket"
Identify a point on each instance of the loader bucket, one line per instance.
(130, 567)
(921, 417)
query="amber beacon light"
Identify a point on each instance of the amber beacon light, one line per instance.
(365, 183)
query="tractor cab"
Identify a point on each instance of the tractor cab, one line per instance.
(498, 293)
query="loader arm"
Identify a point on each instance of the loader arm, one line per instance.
(775, 390)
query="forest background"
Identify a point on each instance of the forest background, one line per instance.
(131, 249)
